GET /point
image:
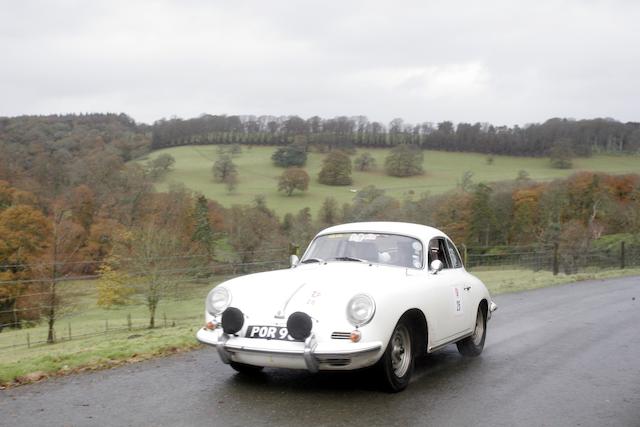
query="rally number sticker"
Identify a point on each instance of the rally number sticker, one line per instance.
(457, 300)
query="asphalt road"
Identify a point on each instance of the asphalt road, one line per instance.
(563, 356)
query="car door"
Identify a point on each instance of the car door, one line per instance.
(446, 288)
(464, 285)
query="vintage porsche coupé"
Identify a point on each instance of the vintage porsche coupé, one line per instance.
(363, 294)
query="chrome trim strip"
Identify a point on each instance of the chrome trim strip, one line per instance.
(280, 313)
(439, 346)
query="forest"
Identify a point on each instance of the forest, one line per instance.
(537, 139)
(73, 205)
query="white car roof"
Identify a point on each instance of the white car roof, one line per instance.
(422, 232)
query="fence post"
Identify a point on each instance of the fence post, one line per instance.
(556, 266)
(69, 329)
(164, 315)
(464, 255)
(293, 249)
(622, 260)
(28, 340)
(129, 321)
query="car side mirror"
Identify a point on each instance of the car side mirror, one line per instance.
(435, 266)
(294, 260)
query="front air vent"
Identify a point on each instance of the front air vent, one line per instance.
(341, 335)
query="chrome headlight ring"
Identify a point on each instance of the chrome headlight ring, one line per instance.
(360, 309)
(218, 299)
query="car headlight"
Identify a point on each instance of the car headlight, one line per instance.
(218, 300)
(360, 309)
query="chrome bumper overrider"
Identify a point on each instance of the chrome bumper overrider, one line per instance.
(492, 307)
(229, 346)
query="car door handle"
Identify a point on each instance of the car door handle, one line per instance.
(467, 288)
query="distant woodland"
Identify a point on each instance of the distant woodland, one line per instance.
(583, 136)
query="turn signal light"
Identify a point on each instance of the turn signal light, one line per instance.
(211, 326)
(355, 336)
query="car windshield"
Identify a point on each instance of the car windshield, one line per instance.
(388, 249)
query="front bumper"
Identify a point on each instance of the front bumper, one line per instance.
(310, 355)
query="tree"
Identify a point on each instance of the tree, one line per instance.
(482, 221)
(561, 154)
(254, 233)
(364, 162)
(404, 160)
(67, 238)
(25, 235)
(291, 155)
(328, 214)
(371, 204)
(336, 169)
(155, 257)
(114, 287)
(293, 179)
(203, 233)
(160, 166)
(225, 171)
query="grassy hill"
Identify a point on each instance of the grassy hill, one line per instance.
(258, 175)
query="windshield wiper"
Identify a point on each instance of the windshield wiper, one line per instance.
(348, 258)
(309, 260)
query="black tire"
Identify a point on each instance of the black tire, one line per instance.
(245, 369)
(472, 345)
(396, 364)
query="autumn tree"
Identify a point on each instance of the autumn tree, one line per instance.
(372, 204)
(254, 233)
(404, 160)
(364, 162)
(153, 256)
(336, 169)
(114, 287)
(225, 171)
(293, 179)
(329, 213)
(25, 238)
(66, 239)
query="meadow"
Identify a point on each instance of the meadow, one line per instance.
(443, 172)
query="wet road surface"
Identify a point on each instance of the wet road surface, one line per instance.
(563, 356)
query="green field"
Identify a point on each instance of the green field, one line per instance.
(257, 174)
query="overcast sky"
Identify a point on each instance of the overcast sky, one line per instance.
(504, 62)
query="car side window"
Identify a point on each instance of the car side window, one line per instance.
(438, 251)
(456, 262)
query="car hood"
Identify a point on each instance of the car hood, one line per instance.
(315, 289)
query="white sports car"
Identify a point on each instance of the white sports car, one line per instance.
(363, 294)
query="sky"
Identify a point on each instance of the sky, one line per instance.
(504, 62)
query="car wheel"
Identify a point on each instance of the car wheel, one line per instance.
(472, 345)
(396, 364)
(243, 368)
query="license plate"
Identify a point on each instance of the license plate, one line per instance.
(269, 333)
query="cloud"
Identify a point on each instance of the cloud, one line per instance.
(498, 61)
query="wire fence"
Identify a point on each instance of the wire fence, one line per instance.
(27, 304)
(555, 258)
